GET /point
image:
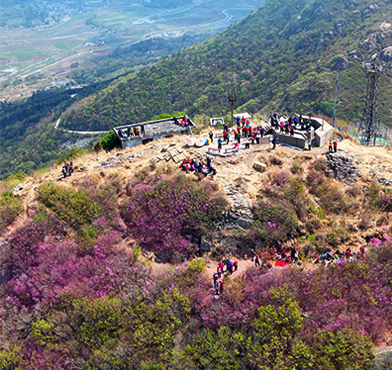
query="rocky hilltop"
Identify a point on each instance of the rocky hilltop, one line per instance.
(112, 266)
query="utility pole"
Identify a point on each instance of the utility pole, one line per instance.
(369, 128)
(336, 96)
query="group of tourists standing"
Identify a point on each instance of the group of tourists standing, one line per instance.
(67, 169)
(218, 277)
(333, 146)
(292, 124)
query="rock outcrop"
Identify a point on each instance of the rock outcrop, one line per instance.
(342, 167)
(240, 214)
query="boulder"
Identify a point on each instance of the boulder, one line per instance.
(260, 167)
(205, 245)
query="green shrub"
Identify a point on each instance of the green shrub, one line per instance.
(167, 115)
(43, 332)
(73, 207)
(320, 164)
(98, 146)
(10, 207)
(110, 141)
(296, 167)
(10, 358)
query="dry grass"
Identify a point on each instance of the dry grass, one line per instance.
(358, 223)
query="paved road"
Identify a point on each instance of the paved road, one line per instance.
(56, 126)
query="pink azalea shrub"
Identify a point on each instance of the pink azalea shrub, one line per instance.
(349, 295)
(171, 212)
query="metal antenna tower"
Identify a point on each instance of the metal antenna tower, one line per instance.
(232, 94)
(369, 128)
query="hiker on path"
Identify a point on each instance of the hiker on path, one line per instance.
(216, 288)
(335, 146)
(330, 146)
(211, 135)
(273, 142)
(235, 265)
(310, 144)
(64, 171)
(257, 260)
(221, 286)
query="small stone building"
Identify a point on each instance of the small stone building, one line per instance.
(153, 130)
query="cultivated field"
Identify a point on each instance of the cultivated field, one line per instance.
(33, 58)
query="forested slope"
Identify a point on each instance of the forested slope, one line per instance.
(285, 56)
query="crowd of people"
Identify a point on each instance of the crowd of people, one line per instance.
(292, 124)
(190, 165)
(129, 132)
(329, 258)
(218, 277)
(279, 256)
(244, 130)
(67, 169)
(184, 122)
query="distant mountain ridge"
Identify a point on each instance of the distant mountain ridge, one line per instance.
(285, 56)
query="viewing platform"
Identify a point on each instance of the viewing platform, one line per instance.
(142, 133)
(320, 133)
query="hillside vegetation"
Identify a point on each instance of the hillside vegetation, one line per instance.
(80, 288)
(285, 57)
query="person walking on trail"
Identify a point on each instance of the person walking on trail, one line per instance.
(335, 146)
(310, 144)
(221, 285)
(219, 271)
(216, 287)
(273, 142)
(211, 135)
(64, 170)
(230, 267)
(256, 260)
(70, 168)
(235, 265)
(293, 254)
(330, 146)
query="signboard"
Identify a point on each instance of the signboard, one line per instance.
(218, 120)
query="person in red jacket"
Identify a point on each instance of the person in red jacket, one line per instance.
(221, 285)
(235, 264)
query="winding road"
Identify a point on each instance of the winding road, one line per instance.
(56, 126)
